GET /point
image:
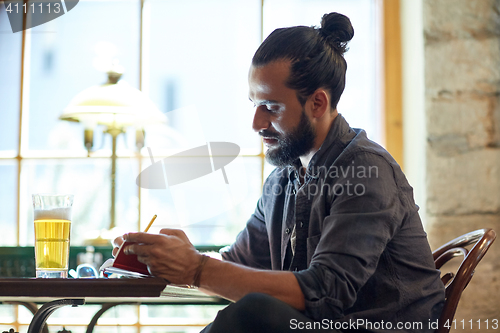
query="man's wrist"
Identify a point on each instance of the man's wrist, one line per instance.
(199, 270)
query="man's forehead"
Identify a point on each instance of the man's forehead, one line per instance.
(266, 80)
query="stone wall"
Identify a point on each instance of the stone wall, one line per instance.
(462, 102)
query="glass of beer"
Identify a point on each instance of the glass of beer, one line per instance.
(52, 215)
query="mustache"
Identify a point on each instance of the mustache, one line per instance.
(269, 134)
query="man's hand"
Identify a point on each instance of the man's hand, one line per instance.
(117, 242)
(169, 255)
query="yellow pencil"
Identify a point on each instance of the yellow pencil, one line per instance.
(150, 223)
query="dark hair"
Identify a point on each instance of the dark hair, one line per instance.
(316, 55)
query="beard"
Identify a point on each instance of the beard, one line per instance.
(293, 145)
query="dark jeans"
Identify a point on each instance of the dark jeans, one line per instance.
(261, 313)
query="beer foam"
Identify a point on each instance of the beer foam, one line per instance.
(55, 213)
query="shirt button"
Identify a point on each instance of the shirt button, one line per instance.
(287, 231)
(293, 191)
(302, 224)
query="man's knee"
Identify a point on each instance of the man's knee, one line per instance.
(254, 305)
(254, 312)
(257, 302)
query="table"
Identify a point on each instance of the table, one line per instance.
(55, 293)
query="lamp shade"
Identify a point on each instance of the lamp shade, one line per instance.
(115, 105)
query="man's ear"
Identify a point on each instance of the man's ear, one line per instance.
(320, 102)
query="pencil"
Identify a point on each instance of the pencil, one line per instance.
(150, 223)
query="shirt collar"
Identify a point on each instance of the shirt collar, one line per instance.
(338, 129)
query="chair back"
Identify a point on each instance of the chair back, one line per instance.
(455, 283)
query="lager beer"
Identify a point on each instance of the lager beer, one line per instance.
(52, 235)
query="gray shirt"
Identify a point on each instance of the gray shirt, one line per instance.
(360, 254)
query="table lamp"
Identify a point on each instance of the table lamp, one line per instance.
(116, 105)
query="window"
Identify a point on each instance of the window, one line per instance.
(191, 58)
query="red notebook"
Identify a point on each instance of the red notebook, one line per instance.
(125, 264)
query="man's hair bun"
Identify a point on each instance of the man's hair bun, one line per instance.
(316, 56)
(336, 30)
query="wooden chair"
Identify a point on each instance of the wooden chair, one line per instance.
(455, 283)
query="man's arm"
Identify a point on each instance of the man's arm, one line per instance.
(233, 281)
(171, 256)
(252, 247)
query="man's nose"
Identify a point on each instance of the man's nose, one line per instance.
(260, 120)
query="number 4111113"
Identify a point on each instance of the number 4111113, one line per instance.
(472, 324)
(39, 8)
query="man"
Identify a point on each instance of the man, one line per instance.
(335, 243)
